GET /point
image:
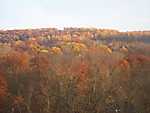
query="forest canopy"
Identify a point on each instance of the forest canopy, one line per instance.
(74, 70)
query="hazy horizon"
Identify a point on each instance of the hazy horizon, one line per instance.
(125, 15)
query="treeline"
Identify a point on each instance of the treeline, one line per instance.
(70, 71)
(73, 34)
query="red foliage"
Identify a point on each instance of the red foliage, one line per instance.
(80, 70)
(138, 59)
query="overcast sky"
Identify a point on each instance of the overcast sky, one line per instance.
(113, 14)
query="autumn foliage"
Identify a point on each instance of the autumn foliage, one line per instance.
(75, 70)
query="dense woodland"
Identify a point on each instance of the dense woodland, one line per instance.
(74, 70)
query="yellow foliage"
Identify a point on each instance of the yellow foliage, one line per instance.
(55, 50)
(66, 38)
(39, 49)
(105, 48)
(78, 47)
(109, 50)
(19, 42)
(75, 47)
(44, 51)
(36, 48)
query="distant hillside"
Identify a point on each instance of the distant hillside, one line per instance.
(75, 33)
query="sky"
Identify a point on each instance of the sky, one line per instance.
(123, 15)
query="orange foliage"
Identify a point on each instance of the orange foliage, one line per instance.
(19, 62)
(124, 64)
(55, 50)
(3, 86)
(3, 91)
(42, 63)
(17, 100)
(102, 49)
